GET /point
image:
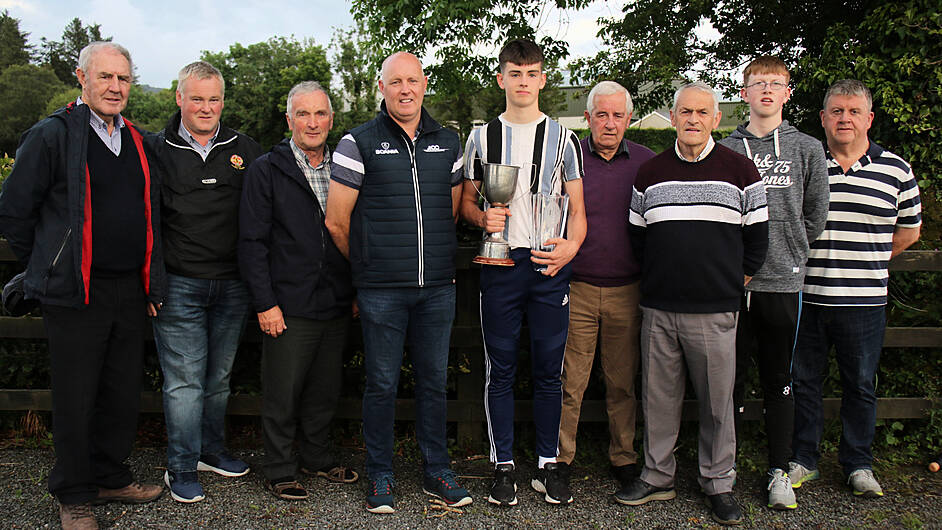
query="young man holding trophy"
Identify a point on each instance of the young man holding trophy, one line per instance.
(530, 170)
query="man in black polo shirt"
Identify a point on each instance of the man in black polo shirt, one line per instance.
(197, 329)
(80, 211)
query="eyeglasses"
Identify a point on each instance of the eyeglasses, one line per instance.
(762, 85)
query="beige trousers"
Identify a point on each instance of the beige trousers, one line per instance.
(608, 317)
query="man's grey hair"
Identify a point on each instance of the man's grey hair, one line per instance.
(200, 70)
(85, 56)
(849, 87)
(702, 87)
(307, 87)
(607, 88)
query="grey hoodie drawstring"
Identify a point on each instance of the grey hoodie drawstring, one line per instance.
(778, 152)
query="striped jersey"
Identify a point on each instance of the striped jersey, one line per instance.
(697, 228)
(847, 265)
(541, 148)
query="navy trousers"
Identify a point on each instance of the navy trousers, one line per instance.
(507, 293)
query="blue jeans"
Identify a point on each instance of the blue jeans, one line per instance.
(390, 317)
(857, 336)
(197, 333)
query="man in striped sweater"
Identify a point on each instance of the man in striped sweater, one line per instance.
(874, 215)
(699, 228)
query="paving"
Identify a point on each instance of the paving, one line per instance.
(913, 500)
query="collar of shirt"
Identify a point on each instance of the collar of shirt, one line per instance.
(301, 157)
(194, 143)
(112, 140)
(622, 148)
(873, 151)
(703, 154)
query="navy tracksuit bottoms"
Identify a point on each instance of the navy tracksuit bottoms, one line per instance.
(507, 293)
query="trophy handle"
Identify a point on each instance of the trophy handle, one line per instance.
(469, 168)
(532, 167)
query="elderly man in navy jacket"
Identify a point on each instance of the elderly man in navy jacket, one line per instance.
(81, 211)
(301, 289)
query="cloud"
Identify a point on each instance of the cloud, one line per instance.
(164, 35)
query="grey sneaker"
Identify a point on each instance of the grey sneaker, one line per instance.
(864, 483)
(781, 494)
(799, 474)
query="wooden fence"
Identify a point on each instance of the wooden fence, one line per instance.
(467, 410)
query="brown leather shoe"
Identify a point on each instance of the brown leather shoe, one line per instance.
(77, 517)
(133, 493)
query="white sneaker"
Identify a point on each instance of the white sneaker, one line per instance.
(864, 483)
(799, 474)
(781, 494)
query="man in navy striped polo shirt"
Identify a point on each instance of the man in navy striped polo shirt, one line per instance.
(874, 215)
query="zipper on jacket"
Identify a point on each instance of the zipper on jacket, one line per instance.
(178, 146)
(55, 260)
(410, 145)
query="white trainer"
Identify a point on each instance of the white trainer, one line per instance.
(781, 494)
(864, 483)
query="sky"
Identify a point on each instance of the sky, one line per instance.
(165, 35)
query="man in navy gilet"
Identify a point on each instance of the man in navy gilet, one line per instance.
(391, 206)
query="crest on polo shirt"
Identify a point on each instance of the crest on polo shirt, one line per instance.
(236, 162)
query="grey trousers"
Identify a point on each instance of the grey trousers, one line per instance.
(301, 376)
(703, 345)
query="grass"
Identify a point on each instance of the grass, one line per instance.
(911, 521)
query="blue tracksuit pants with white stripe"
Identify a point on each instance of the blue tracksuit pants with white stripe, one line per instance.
(507, 293)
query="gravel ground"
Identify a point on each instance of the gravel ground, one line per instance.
(913, 500)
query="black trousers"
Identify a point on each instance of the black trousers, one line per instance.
(768, 323)
(96, 357)
(301, 380)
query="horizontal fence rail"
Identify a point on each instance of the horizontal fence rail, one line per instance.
(468, 409)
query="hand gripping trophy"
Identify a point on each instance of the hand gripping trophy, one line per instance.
(499, 182)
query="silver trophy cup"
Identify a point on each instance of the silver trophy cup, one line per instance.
(549, 221)
(499, 183)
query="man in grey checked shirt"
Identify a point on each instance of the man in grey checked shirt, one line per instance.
(298, 280)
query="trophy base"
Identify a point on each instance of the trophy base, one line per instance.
(503, 262)
(494, 252)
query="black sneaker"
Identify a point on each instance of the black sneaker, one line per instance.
(504, 489)
(638, 492)
(625, 474)
(553, 481)
(724, 509)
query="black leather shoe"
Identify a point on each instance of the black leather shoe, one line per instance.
(724, 509)
(639, 492)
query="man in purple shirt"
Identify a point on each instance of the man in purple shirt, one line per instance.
(604, 291)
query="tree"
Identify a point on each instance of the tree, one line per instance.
(355, 63)
(896, 50)
(151, 110)
(258, 79)
(465, 37)
(26, 88)
(14, 48)
(62, 56)
(659, 41)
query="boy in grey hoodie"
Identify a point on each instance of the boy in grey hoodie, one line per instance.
(793, 168)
